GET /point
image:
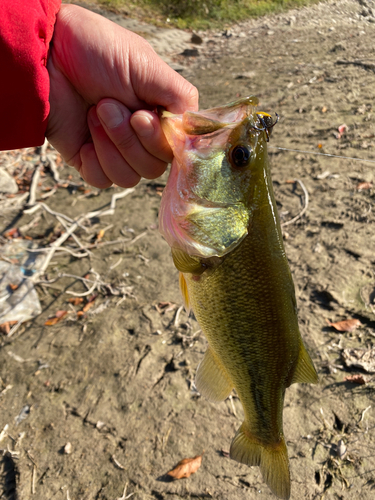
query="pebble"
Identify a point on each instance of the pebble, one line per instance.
(196, 39)
(68, 448)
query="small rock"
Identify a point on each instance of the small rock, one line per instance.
(338, 47)
(246, 74)
(196, 39)
(7, 183)
(68, 448)
(341, 449)
(190, 53)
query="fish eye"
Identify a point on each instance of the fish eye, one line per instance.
(240, 156)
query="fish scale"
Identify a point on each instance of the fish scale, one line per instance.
(219, 216)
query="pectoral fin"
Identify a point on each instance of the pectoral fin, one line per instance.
(305, 372)
(212, 380)
(186, 263)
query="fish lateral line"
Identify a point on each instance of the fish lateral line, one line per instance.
(322, 154)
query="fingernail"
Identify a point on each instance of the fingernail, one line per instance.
(143, 125)
(110, 114)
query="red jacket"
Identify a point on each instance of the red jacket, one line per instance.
(26, 29)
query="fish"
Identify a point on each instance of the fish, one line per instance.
(219, 216)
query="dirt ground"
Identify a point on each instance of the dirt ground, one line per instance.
(101, 405)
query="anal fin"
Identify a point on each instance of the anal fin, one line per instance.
(305, 372)
(272, 459)
(212, 380)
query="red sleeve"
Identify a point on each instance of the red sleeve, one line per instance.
(26, 29)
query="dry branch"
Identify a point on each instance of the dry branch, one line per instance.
(306, 204)
(74, 225)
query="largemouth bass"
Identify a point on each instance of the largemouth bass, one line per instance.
(219, 216)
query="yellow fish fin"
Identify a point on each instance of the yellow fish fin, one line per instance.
(212, 380)
(196, 124)
(272, 459)
(304, 372)
(187, 263)
(184, 291)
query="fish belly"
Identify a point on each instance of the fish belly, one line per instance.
(246, 308)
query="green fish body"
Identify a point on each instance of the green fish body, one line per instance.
(219, 216)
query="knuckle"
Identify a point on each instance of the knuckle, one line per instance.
(126, 142)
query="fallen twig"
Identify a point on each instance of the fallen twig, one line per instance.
(364, 412)
(33, 186)
(177, 317)
(74, 225)
(370, 66)
(53, 167)
(121, 289)
(91, 289)
(306, 200)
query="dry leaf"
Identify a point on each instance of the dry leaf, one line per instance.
(87, 306)
(100, 235)
(364, 185)
(92, 297)
(324, 109)
(6, 327)
(12, 233)
(76, 301)
(186, 467)
(342, 129)
(355, 379)
(51, 321)
(347, 325)
(55, 319)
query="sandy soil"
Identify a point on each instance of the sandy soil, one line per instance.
(115, 380)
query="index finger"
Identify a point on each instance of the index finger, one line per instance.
(157, 84)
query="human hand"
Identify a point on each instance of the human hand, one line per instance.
(105, 82)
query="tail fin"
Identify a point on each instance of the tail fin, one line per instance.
(272, 459)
